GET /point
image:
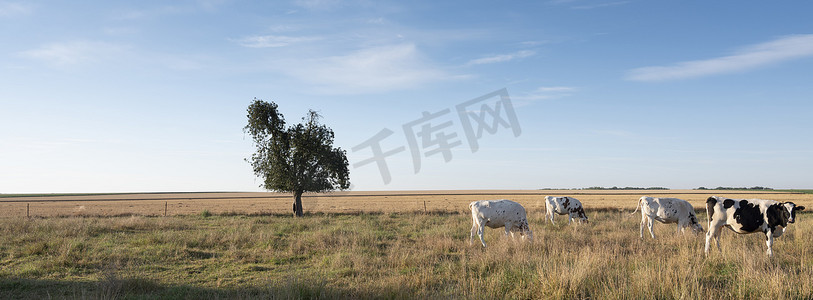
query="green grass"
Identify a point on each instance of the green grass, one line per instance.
(396, 255)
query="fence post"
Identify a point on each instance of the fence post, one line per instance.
(27, 210)
(424, 206)
(165, 208)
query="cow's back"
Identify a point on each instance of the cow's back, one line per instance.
(559, 205)
(497, 213)
(672, 209)
(741, 215)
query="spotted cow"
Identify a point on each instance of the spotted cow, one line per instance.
(748, 216)
(564, 206)
(667, 210)
(496, 214)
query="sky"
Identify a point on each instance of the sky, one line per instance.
(151, 96)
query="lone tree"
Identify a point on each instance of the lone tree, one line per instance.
(296, 159)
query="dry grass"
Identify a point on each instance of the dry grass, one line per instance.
(387, 255)
(394, 252)
(341, 202)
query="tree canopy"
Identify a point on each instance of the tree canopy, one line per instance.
(296, 159)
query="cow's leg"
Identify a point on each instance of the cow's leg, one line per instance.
(708, 239)
(713, 233)
(547, 213)
(650, 224)
(769, 242)
(473, 232)
(512, 232)
(643, 223)
(717, 238)
(480, 233)
(551, 217)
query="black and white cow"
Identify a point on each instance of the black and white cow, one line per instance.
(496, 214)
(667, 210)
(569, 206)
(748, 216)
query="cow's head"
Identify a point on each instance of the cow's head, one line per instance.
(790, 211)
(525, 231)
(696, 227)
(582, 215)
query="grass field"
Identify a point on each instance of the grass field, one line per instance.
(388, 251)
(155, 204)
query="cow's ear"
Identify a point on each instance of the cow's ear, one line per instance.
(800, 208)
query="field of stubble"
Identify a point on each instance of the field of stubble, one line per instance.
(378, 245)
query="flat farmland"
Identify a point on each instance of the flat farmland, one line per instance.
(157, 204)
(380, 245)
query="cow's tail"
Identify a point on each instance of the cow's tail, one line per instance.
(710, 203)
(637, 206)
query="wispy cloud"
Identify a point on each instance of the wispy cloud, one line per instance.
(369, 70)
(273, 41)
(318, 4)
(502, 57)
(615, 133)
(72, 53)
(751, 57)
(8, 9)
(546, 92)
(170, 10)
(379, 21)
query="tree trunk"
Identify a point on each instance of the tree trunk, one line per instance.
(298, 204)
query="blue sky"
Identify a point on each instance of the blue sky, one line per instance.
(146, 96)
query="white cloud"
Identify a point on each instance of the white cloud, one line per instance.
(208, 6)
(559, 89)
(759, 55)
(379, 21)
(615, 133)
(72, 53)
(368, 70)
(273, 41)
(8, 9)
(501, 57)
(318, 4)
(546, 92)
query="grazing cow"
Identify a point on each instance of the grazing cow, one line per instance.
(748, 216)
(667, 210)
(564, 206)
(496, 214)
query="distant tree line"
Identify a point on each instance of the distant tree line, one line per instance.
(625, 188)
(758, 188)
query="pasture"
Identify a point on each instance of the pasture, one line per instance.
(379, 245)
